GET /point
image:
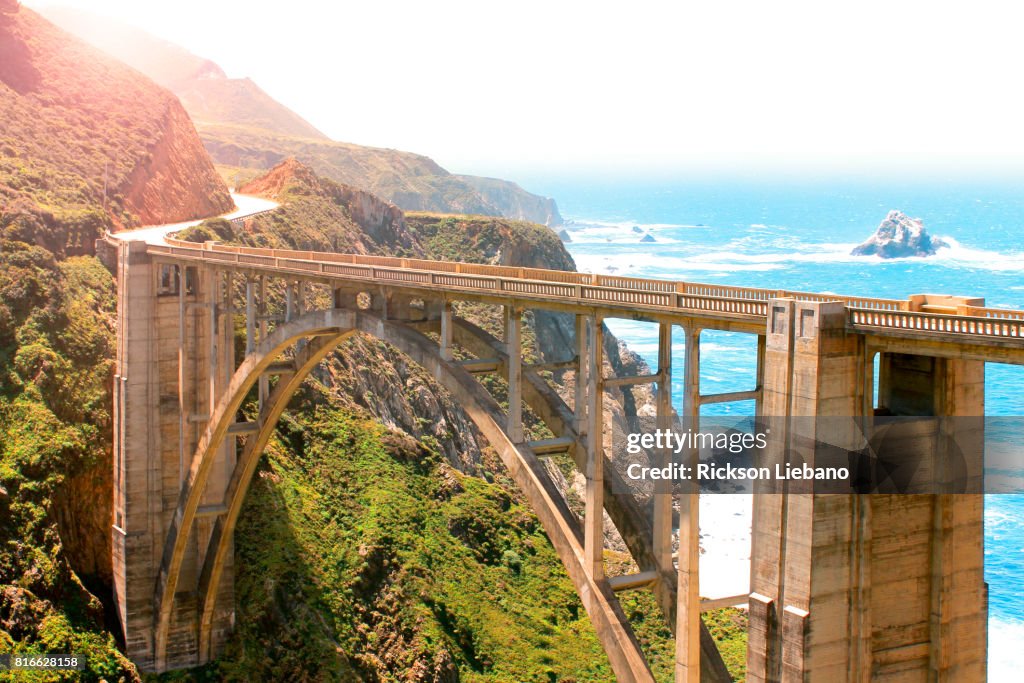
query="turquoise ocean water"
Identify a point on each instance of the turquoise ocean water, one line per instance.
(798, 235)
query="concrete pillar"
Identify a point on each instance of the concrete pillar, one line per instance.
(862, 587)
(762, 342)
(593, 523)
(687, 667)
(250, 315)
(582, 374)
(806, 576)
(446, 331)
(662, 504)
(263, 390)
(289, 301)
(514, 349)
(137, 443)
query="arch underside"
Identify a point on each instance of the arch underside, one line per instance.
(314, 336)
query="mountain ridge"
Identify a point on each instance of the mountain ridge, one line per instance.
(244, 128)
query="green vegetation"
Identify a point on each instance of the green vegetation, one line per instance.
(56, 342)
(363, 552)
(483, 239)
(728, 626)
(367, 556)
(409, 180)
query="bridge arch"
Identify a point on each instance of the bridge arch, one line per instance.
(328, 329)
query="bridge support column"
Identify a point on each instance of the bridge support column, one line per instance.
(687, 669)
(263, 387)
(662, 503)
(250, 314)
(174, 352)
(593, 522)
(514, 349)
(860, 587)
(447, 330)
(582, 374)
(137, 473)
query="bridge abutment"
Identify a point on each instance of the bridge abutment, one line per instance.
(865, 587)
(174, 356)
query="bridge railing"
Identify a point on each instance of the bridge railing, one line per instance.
(570, 277)
(480, 278)
(1007, 327)
(864, 312)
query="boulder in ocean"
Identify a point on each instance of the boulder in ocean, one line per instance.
(563, 235)
(648, 238)
(899, 236)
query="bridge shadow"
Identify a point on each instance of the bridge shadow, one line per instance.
(361, 554)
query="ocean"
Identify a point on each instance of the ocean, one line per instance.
(793, 234)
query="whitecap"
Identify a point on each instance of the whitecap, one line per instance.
(1005, 643)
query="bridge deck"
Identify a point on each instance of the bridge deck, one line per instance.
(716, 306)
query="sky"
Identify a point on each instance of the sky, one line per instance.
(484, 87)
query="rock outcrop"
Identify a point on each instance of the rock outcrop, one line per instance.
(350, 219)
(899, 236)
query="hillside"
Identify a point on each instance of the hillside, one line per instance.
(202, 86)
(73, 121)
(79, 126)
(245, 129)
(515, 202)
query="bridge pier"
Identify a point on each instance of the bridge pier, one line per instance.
(175, 349)
(863, 587)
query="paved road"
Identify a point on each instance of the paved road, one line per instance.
(245, 205)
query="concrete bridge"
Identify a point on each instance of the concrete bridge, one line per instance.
(843, 587)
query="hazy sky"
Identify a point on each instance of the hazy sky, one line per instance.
(489, 87)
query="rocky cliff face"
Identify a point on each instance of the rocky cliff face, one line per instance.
(513, 201)
(899, 236)
(174, 181)
(321, 214)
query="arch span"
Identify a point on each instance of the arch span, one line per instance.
(320, 326)
(330, 328)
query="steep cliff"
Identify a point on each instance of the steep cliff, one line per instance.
(321, 214)
(88, 143)
(412, 181)
(513, 201)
